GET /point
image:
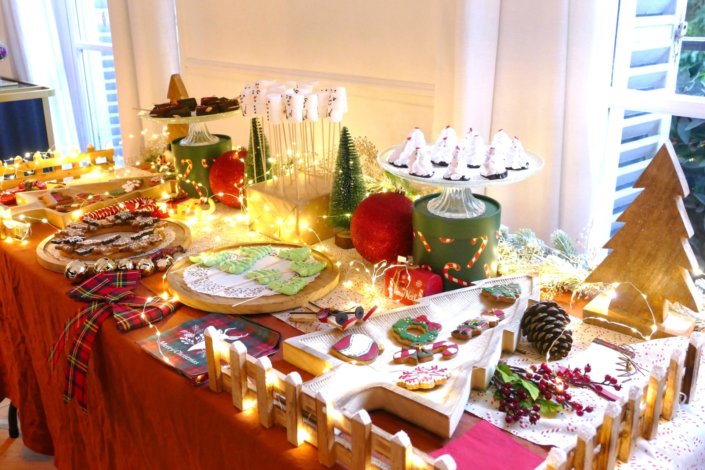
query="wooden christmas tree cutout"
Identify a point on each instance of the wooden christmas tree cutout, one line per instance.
(175, 92)
(650, 258)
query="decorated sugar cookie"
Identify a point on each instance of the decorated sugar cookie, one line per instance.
(423, 378)
(447, 349)
(493, 316)
(356, 348)
(264, 276)
(416, 331)
(470, 328)
(507, 293)
(256, 252)
(289, 287)
(475, 326)
(295, 254)
(307, 268)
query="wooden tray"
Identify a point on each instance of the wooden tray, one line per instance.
(323, 284)
(55, 260)
(30, 204)
(373, 386)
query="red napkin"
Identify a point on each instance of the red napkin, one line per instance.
(484, 446)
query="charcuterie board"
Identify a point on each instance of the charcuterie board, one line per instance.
(215, 291)
(51, 257)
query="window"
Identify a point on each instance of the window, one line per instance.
(658, 93)
(91, 57)
(67, 45)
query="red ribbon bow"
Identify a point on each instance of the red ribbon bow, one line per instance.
(109, 295)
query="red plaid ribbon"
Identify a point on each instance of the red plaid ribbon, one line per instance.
(109, 295)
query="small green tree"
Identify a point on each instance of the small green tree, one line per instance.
(257, 164)
(348, 184)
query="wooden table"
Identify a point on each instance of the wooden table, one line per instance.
(140, 413)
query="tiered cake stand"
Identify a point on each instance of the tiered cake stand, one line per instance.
(456, 231)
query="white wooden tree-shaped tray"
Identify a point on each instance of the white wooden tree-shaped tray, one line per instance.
(373, 386)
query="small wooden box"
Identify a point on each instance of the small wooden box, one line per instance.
(292, 209)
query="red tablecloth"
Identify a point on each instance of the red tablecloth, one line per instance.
(140, 414)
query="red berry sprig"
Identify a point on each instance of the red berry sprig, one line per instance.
(529, 394)
(581, 378)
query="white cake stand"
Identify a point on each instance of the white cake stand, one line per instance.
(198, 133)
(456, 200)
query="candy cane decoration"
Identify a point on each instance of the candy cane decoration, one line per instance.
(487, 271)
(446, 240)
(189, 168)
(479, 252)
(204, 162)
(425, 244)
(454, 267)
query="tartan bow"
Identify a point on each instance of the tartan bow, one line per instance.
(109, 294)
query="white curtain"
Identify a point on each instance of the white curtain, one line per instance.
(145, 47)
(553, 70)
(36, 44)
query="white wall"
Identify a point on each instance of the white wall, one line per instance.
(397, 57)
(7, 66)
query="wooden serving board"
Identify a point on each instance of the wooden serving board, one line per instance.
(49, 257)
(320, 286)
(373, 386)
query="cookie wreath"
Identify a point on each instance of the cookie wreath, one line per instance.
(416, 331)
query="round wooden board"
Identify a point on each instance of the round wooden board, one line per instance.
(50, 259)
(322, 285)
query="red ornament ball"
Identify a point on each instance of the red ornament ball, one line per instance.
(381, 227)
(227, 177)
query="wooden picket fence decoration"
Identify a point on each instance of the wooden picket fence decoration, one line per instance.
(53, 168)
(351, 440)
(600, 448)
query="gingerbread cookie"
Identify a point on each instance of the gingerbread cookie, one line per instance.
(416, 331)
(447, 349)
(356, 348)
(507, 293)
(424, 378)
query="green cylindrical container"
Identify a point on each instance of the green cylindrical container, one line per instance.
(193, 164)
(459, 250)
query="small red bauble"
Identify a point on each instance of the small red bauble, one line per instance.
(381, 227)
(227, 177)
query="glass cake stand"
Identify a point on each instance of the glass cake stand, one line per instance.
(198, 133)
(456, 200)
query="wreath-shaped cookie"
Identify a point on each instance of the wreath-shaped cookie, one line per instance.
(416, 331)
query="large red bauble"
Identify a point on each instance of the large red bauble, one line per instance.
(227, 177)
(381, 227)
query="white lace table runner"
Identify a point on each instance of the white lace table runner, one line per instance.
(680, 443)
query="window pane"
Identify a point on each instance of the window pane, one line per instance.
(97, 69)
(102, 101)
(92, 21)
(691, 70)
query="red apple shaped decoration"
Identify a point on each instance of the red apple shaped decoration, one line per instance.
(227, 177)
(381, 227)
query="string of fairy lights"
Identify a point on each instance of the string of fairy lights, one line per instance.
(202, 214)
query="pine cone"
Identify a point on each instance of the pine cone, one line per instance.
(544, 324)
